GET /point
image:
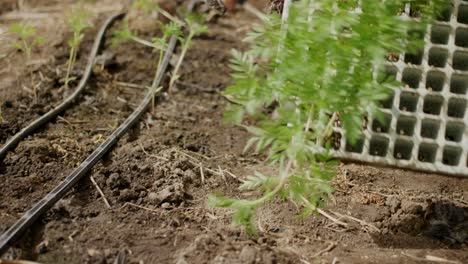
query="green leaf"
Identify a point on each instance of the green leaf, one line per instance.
(219, 201)
(293, 78)
(233, 114)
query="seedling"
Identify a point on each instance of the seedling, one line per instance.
(78, 21)
(195, 27)
(158, 44)
(27, 38)
(125, 34)
(316, 67)
(193, 23)
(149, 6)
(171, 29)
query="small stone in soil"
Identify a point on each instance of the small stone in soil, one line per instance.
(409, 207)
(393, 203)
(247, 255)
(127, 195)
(116, 180)
(42, 247)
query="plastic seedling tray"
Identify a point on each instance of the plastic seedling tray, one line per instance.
(425, 124)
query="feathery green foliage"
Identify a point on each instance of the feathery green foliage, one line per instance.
(27, 38)
(158, 44)
(193, 23)
(78, 20)
(316, 68)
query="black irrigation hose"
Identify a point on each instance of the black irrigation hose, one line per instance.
(18, 228)
(38, 123)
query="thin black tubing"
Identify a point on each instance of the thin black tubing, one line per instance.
(47, 117)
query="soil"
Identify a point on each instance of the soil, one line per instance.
(157, 178)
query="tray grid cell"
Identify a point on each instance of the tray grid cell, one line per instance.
(424, 124)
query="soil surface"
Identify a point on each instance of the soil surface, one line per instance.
(157, 178)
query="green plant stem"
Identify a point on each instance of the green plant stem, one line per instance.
(71, 63)
(328, 129)
(158, 66)
(284, 176)
(27, 50)
(174, 76)
(145, 42)
(169, 16)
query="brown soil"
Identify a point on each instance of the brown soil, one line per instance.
(158, 177)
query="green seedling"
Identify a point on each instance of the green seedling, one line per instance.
(170, 29)
(125, 34)
(78, 21)
(195, 27)
(27, 38)
(149, 6)
(315, 67)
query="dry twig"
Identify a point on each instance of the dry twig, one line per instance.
(361, 222)
(100, 192)
(431, 259)
(330, 247)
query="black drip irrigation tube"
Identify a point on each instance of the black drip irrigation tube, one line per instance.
(28, 218)
(44, 119)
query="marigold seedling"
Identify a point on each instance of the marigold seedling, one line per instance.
(315, 66)
(78, 21)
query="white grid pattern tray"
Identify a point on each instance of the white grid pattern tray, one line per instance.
(425, 124)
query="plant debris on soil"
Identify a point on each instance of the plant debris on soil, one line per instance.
(156, 180)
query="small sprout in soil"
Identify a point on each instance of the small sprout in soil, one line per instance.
(195, 27)
(149, 6)
(78, 21)
(125, 34)
(170, 29)
(316, 68)
(27, 38)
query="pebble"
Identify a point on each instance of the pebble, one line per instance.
(191, 176)
(393, 203)
(159, 197)
(411, 207)
(127, 195)
(247, 255)
(42, 247)
(116, 180)
(179, 172)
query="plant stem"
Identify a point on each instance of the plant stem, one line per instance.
(169, 16)
(145, 42)
(158, 66)
(327, 129)
(282, 181)
(174, 76)
(71, 59)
